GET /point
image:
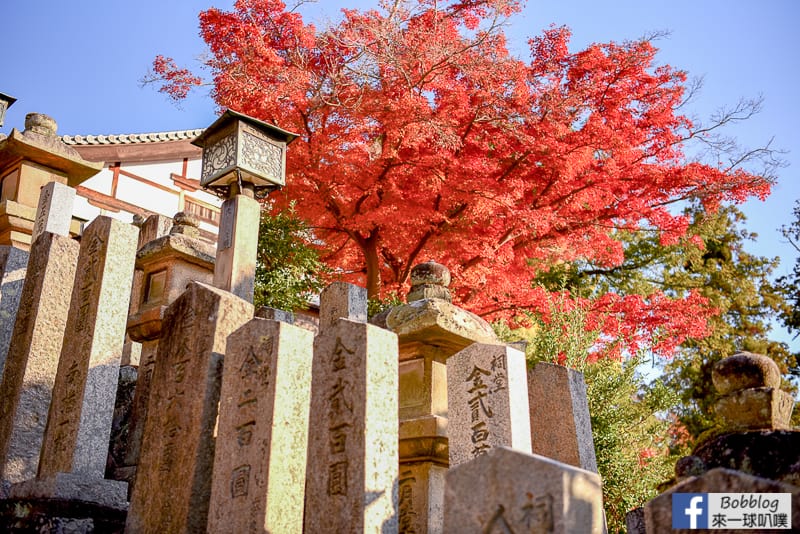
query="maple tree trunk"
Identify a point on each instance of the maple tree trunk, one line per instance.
(372, 261)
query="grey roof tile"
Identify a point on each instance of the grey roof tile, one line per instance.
(130, 139)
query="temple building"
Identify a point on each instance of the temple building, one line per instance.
(144, 174)
(121, 176)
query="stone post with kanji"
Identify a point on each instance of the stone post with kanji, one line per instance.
(172, 257)
(38, 170)
(173, 480)
(79, 420)
(258, 482)
(507, 490)
(487, 399)
(351, 474)
(30, 370)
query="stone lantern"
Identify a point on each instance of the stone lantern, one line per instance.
(243, 151)
(29, 160)
(430, 329)
(243, 159)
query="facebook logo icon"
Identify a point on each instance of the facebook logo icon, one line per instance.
(690, 510)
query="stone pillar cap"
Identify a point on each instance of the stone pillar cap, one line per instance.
(745, 370)
(185, 224)
(750, 394)
(41, 124)
(430, 272)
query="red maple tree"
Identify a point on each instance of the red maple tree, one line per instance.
(422, 138)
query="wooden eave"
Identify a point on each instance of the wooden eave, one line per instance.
(140, 152)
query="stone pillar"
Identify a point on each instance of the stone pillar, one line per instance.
(351, 475)
(30, 370)
(561, 428)
(54, 211)
(487, 399)
(173, 481)
(430, 329)
(258, 481)
(13, 265)
(81, 410)
(165, 264)
(28, 161)
(53, 215)
(237, 246)
(511, 491)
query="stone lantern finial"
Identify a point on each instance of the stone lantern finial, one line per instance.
(185, 224)
(751, 395)
(41, 124)
(429, 280)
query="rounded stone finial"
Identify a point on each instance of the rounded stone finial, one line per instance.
(689, 466)
(430, 272)
(41, 124)
(186, 219)
(185, 224)
(745, 370)
(429, 280)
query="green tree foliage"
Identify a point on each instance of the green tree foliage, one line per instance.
(631, 434)
(288, 270)
(790, 284)
(739, 285)
(714, 264)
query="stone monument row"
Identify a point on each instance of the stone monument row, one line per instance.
(418, 421)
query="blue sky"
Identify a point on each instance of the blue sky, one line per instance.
(81, 63)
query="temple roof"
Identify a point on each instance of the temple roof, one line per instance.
(130, 139)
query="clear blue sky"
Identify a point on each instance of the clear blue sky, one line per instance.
(81, 63)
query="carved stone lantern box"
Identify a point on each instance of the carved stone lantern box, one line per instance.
(6, 101)
(165, 266)
(239, 149)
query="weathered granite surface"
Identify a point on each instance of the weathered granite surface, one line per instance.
(173, 481)
(487, 399)
(773, 454)
(13, 266)
(439, 323)
(745, 370)
(237, 244)
(561, 427)
(258, 481)
(751, 398)
(82, 407)
(352, 470)
(54, 211)
(32, 361)
(511, 491)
